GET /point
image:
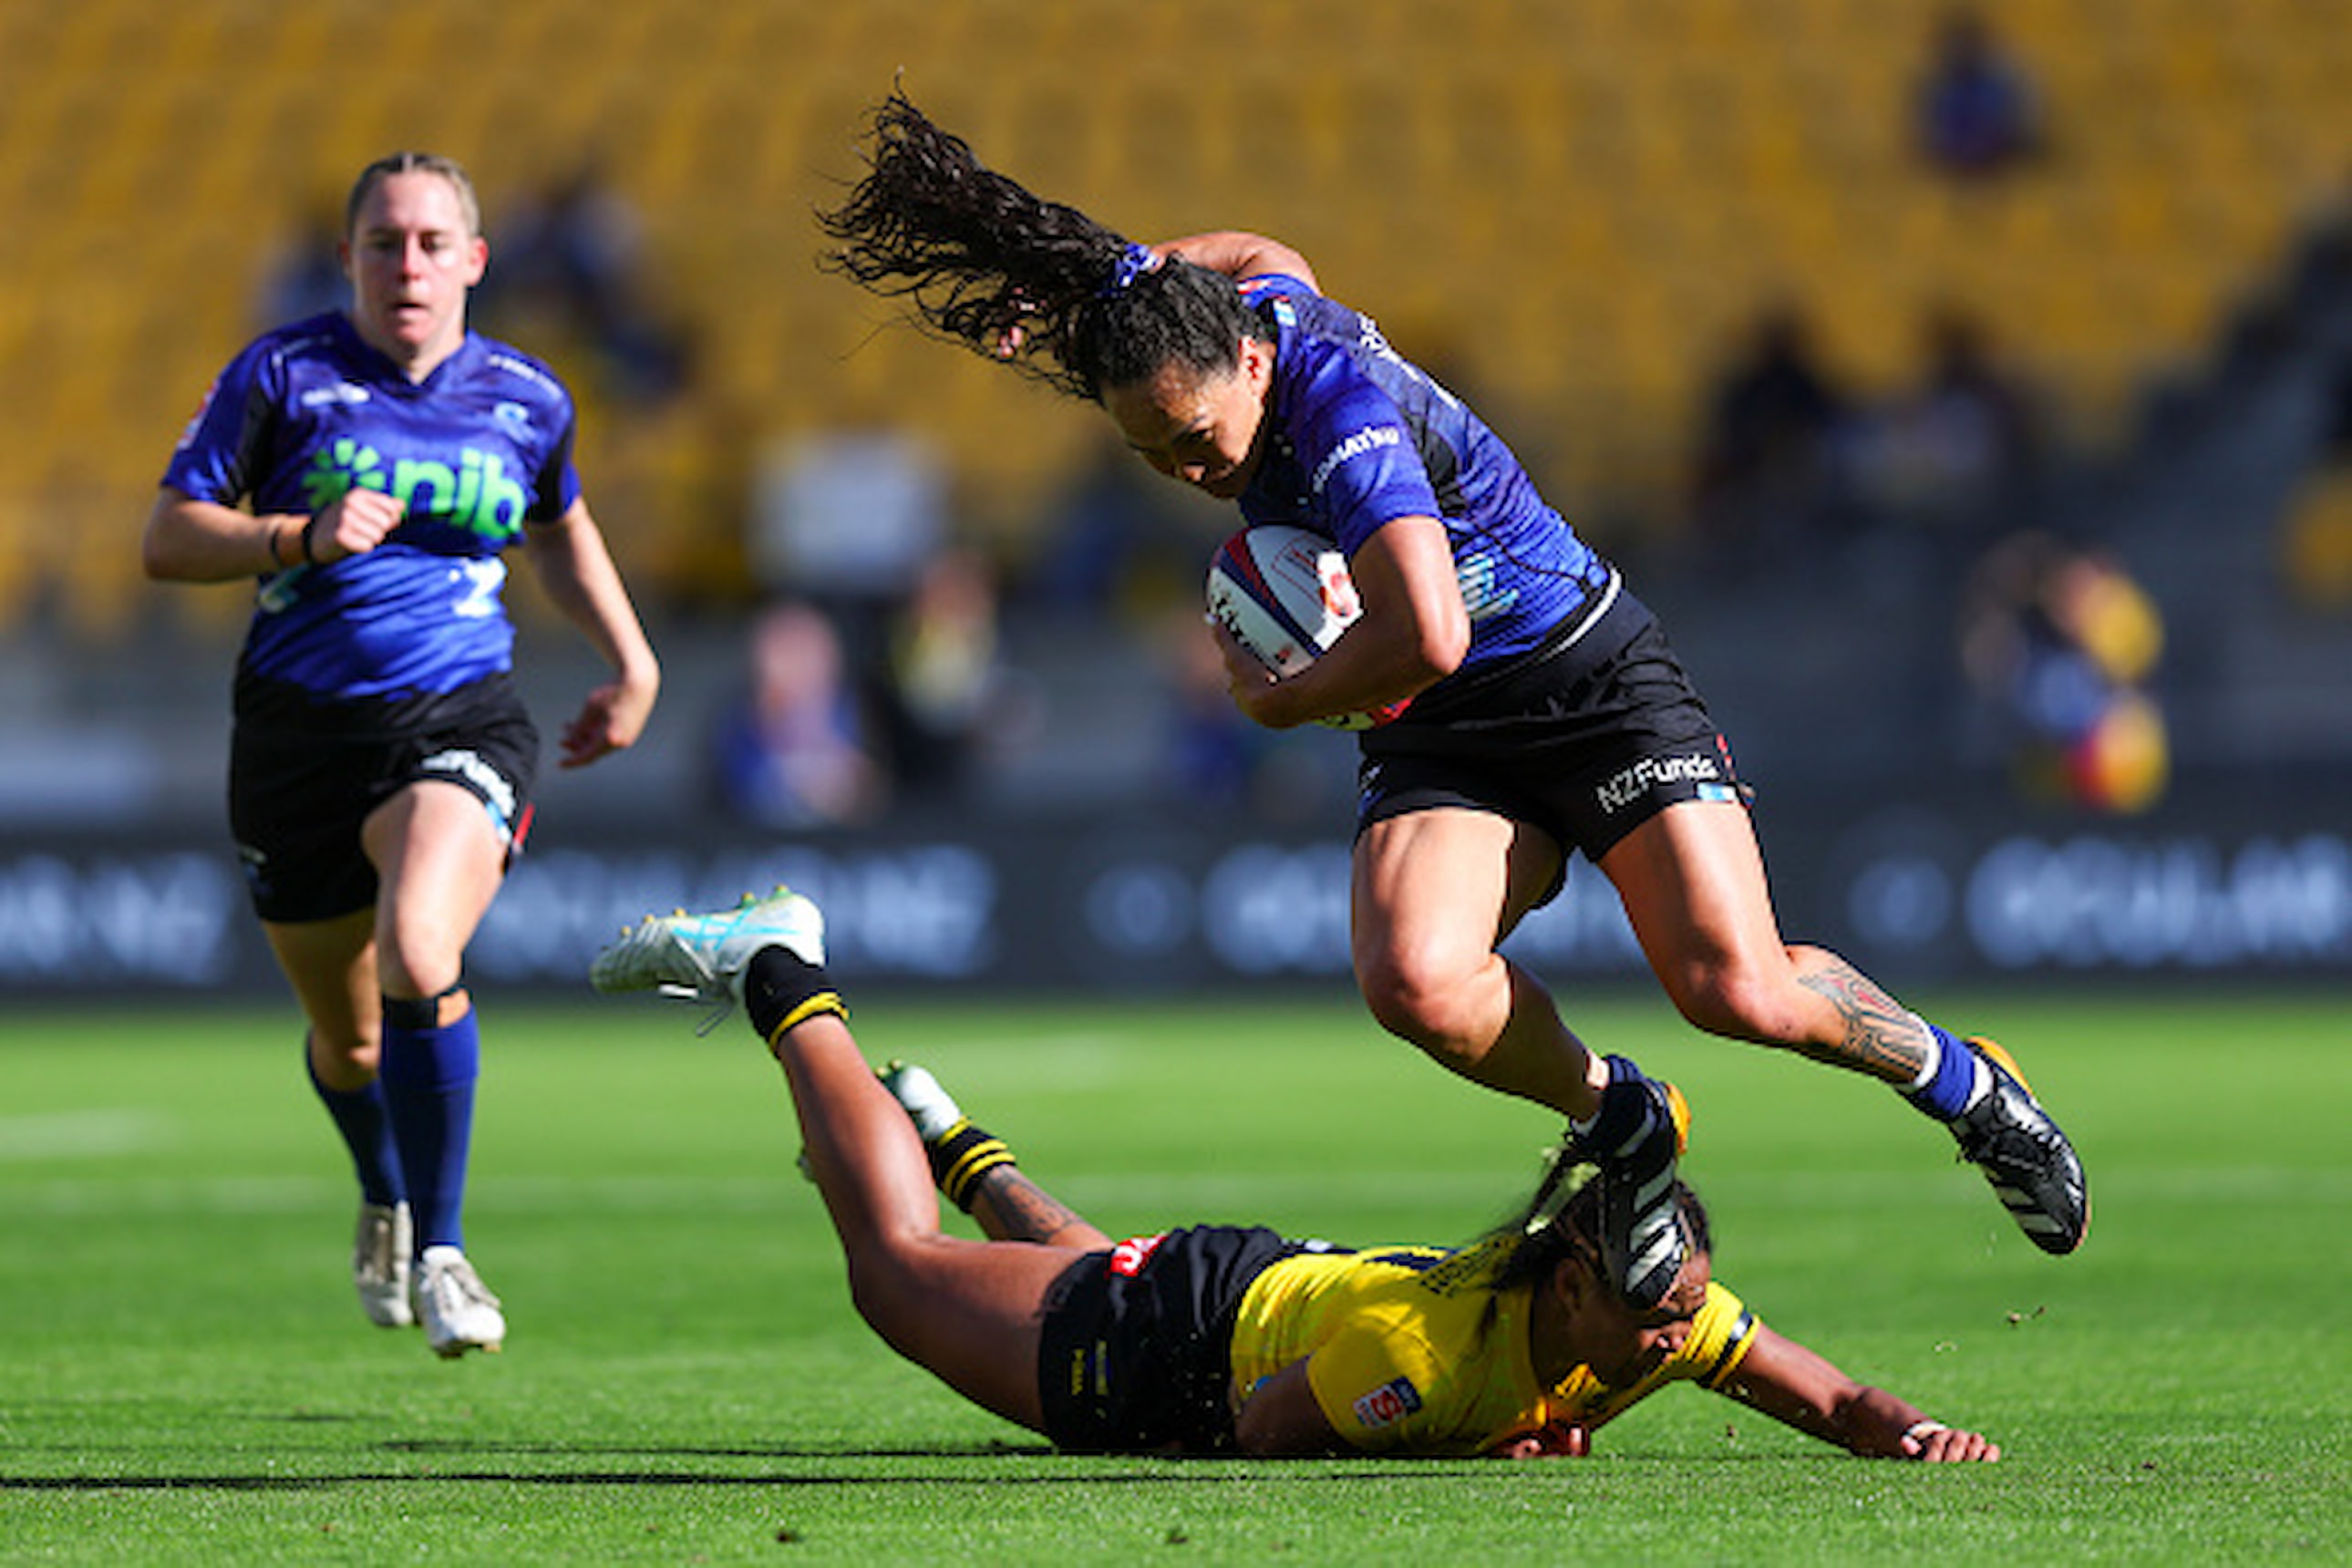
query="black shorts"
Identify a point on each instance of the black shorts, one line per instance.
(303, 776)
(1586, 740)
(1137, 1351)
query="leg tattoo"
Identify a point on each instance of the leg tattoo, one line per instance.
(1881, 1037)
(1011, 1208)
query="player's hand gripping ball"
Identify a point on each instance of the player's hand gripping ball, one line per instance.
(1285, 594)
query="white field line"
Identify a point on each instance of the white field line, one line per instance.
(83, 1134)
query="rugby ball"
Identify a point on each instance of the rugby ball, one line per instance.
(1282, 593)
(1285, 594)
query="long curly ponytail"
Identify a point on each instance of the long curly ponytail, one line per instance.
(983, 262)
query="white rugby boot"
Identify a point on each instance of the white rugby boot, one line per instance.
(457, 1311)
(701, 957)
(380, 1265)
(934, 1114)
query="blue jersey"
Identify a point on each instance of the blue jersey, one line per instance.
(1361, 437)
(474, 451)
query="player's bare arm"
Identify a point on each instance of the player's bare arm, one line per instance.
(1240, 255)
(1801, 1389)
(1281, 1417)
(1413, 633)
(571, 561)
(193, 541)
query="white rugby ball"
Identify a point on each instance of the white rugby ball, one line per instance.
(1285, 594)
(1282, 593)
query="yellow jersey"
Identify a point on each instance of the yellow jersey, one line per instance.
(1409, 1350)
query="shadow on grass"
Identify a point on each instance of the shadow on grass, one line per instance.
(1163, 1473)
(841, 1466)
(807, 1465)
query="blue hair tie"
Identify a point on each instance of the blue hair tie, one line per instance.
(1133, 263)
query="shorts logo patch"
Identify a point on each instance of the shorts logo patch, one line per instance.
(1128, 1259)
(1387, 1404)
(483, 779)
(1630, 784)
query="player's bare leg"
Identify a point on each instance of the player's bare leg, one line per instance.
(975, 1169)
(1433, 893)
(1693, 882)
(1012, 1207)
(330, 965)
(970, 1312)
(440, 855)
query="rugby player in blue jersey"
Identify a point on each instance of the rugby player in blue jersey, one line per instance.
(370, 467)
(1532, 706)
(1222, 1339)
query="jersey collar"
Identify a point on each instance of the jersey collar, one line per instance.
(382, 371)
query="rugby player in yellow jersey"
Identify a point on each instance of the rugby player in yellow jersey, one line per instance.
(1226, 1339)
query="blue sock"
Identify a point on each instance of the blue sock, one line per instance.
(1951, 1083)
(428, 1080)
(359, 1116)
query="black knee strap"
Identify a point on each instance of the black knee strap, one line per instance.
(418, 1012)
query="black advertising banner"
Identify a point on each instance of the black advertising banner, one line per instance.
(1108, 903)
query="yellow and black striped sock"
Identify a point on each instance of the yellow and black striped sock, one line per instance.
(780, 989)
(961, 1156)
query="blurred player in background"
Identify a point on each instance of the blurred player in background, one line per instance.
(1217, 1339)
(1542, 709)
(371, 467)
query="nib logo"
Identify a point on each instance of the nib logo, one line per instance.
(341, 467)
(476, 494)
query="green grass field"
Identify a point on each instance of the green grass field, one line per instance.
(183, 1376)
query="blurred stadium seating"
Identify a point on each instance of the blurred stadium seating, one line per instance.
(1573, 208)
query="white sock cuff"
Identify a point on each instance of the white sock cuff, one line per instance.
(1935, 1055)
(1979, 1080)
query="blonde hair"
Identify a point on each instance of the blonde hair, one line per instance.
(392, 164)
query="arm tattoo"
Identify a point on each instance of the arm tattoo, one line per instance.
(1012, 1207)
(1882, 1037)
